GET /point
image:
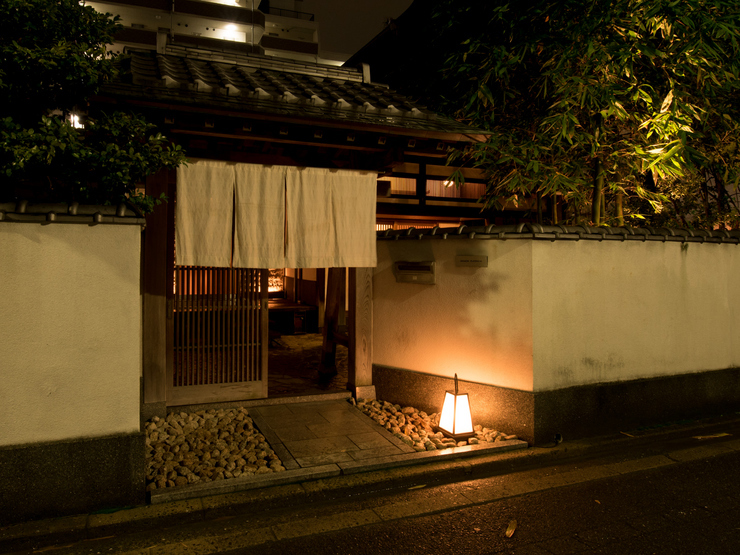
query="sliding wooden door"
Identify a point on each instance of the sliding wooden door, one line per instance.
(220, 335)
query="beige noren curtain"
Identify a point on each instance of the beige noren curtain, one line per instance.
(285, 217)
(330, 218)
(203, 214)
(259, 235)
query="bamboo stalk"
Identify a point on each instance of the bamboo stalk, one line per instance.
(539, 207)
(596, 202)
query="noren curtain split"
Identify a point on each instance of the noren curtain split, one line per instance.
(282, 217)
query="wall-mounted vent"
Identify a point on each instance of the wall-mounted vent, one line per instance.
(414, 272)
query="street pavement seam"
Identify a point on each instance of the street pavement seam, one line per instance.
(518, 484)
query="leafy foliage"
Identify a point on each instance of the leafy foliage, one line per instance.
(642, 95)
(53, 58)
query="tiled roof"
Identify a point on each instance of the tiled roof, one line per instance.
(565, 233)
(75, 213)
(281, 87)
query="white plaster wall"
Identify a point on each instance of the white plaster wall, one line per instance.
(70, 331)
(476, 322)
(612, 311)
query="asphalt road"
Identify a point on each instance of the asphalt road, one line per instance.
(690, 508)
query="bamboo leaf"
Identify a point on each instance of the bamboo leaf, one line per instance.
(667, 102)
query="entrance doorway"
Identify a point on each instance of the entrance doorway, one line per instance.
(295, 350)
(241, 334)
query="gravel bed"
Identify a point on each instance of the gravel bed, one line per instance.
(204, 446)
(417, 428)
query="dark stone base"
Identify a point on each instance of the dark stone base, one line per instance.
(149, 410)
(508, 410)
(622, 406)
(71, 477)
(573, 412)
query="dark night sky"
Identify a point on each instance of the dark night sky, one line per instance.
(345, 26)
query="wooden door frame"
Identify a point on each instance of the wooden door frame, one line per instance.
(156, 281)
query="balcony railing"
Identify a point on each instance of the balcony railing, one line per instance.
(291, 14)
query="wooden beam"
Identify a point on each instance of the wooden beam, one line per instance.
(172, 106)
(271, 139)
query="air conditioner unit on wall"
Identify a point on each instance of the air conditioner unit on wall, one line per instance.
(414, 272)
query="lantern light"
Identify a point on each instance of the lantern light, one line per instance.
(455, 421)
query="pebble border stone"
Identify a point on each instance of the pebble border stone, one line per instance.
(416, 428)
(204, 446)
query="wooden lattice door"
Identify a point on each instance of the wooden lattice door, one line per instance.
(220, 335)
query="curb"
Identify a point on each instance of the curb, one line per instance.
(298, 475)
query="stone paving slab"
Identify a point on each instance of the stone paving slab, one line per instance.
(374, 454)
(324, 432)
(370, 441)
(285, 457)
(325, 458)
(319, 446)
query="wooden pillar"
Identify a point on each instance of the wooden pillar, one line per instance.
(360, 332)
(321, 294)
(334, 302)
(157, 282)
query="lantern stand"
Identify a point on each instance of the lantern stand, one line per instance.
(455, 420)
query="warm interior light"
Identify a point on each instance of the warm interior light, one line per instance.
(275, 280)
(74, 120)
(455, 420)
(231, 32)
